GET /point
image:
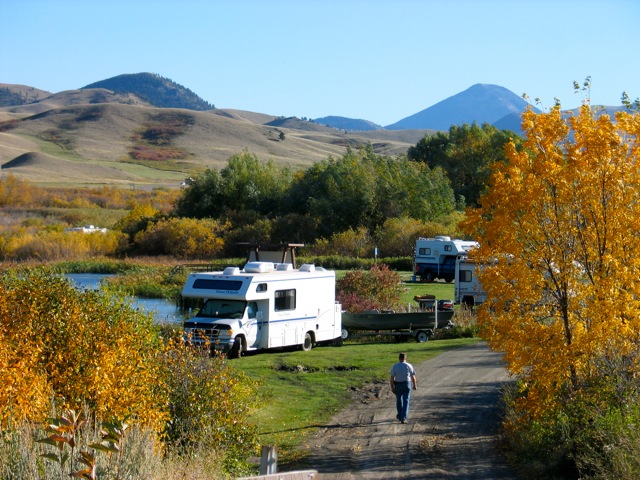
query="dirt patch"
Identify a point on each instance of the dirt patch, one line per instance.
(452, 430)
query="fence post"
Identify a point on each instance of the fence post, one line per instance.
(269, 460)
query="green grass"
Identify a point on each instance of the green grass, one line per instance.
(441, 290)
(301, 391)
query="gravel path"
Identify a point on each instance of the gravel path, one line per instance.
(450, 434)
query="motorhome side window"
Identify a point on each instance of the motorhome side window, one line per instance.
(252, 309)
(262, 287)
(447, 248)
(285, 300)
(465, 275)
(424, 251)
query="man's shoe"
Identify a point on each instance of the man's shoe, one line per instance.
(403, 421)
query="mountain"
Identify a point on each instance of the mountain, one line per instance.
(142, 129)
(154, 89)
(344, 123)
(481, 103)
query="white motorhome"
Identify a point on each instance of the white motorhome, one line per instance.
(436, 257)
(265, 305)
(467, 288)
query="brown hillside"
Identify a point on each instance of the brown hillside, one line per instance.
(161, 146)
(42, 168)
(75, 97)
(28, 94)
(251, 117)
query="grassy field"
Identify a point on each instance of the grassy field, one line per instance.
(301, 391)
(440, 289)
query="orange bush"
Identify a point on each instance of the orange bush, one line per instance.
(82, 346)
(182, 237)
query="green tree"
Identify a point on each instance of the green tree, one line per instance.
(338, 192)
(254, 185)
(466, 154)
(362, 189)
(204, 197)
(245, 183)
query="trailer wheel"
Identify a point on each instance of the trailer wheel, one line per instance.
(307, 345)
(423, 336)
(428, 277)
(344, 334)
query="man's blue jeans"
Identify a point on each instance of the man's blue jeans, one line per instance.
(403, 395)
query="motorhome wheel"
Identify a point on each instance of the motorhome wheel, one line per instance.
(308, 342)
(236, 350)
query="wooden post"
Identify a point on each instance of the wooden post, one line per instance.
(269, 460)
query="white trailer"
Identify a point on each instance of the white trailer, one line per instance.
(436, 257)
(467, 288)
(265, 305)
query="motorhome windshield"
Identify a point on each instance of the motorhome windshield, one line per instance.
(214, 308)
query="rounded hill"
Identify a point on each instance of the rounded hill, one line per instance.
(154, 89)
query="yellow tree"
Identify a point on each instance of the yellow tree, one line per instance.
(559, 231)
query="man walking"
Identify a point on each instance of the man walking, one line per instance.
(403, 378)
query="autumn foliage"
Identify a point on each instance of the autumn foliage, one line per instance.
(74, 347)
(63, 348)
(558, 230)
(378, 289)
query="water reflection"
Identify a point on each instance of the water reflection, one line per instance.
(164, 311)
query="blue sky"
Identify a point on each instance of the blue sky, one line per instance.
(379, 60)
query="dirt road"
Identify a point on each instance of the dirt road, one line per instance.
(450, 434)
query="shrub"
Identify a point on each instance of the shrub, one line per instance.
(379, 288)
(181, 237)
(94, 351)
(209, 402)
(397, 236)
(464, 321)
(25, 244)
(592, 433)
(351, 243)
(336, 262)
(85, 346)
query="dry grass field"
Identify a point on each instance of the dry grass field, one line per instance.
(95, 137)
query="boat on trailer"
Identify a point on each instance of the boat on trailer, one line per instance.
(421, 324)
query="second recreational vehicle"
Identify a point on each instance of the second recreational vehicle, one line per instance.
(467, 288)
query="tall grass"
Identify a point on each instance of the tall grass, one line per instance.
(141, 456)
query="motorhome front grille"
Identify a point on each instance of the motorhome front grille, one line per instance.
(202, 332)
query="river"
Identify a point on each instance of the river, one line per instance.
(164, 311)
